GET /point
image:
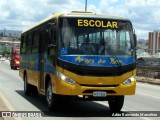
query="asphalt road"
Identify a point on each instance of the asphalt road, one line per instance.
(147, 98)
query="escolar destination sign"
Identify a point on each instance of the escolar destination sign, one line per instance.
(97, 23)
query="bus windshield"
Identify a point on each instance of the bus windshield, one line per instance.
(83, 36)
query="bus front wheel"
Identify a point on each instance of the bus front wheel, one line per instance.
(116, 103)
(50, 97)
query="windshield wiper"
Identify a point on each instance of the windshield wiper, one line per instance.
(109, 50)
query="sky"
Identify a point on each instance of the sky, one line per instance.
(21, 14)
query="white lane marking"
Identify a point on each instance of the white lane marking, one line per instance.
(128, 109)
(6, 102)
(145, 118)
(148, 95)
(8, 105)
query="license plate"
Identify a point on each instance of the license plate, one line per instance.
(99, 94)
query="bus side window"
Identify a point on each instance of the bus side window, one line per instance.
(35, 42)
(51, 49)
(43, 39)
(23, 44)
(51, 42)
(29, 42)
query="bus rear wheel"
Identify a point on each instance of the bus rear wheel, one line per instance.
(27, 87)
(50, 97)
(116, 103)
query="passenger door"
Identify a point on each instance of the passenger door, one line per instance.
(42, 60)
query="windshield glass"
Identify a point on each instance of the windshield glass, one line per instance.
(82, 36)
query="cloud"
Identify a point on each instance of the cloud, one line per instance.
(20, 14)
(65, 5)
(144, 14)
(58, 2)
(93, 9)
(143, 34)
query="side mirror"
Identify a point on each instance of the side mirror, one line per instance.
(135, 39)
(51, 45)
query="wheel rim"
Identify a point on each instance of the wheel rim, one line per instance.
(49, 94)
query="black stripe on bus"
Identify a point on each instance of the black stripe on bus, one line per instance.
(94, 70)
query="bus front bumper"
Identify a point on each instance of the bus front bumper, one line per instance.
(63, 88)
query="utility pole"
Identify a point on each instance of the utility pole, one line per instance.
(86, 6)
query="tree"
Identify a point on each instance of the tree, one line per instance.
(5, 52)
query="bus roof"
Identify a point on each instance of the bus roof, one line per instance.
(93, 15)
(43, 21)
(77, 14)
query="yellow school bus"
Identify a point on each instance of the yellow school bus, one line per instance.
(79, 55)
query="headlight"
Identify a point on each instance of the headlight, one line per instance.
(129, 80)
(17, 62)
(65, 78)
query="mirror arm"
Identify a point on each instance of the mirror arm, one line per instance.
(51, 45)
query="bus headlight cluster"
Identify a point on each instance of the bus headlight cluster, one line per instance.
(65, 78)
(129, 80)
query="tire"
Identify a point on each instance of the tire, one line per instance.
(116, 103)
(50, 97)
(27, 87)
